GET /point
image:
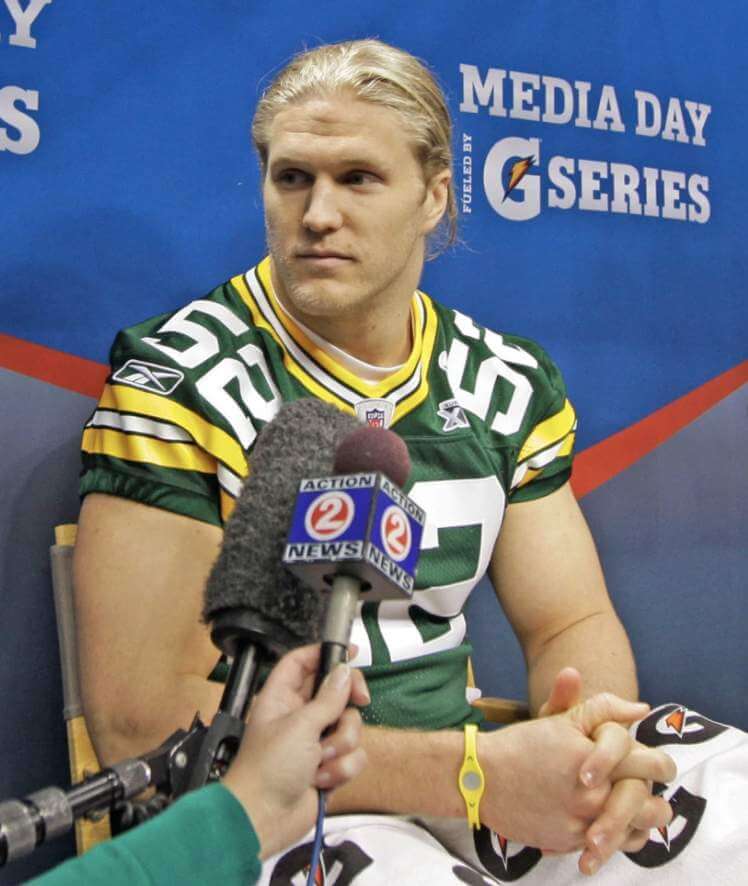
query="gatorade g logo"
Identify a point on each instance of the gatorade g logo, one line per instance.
(524, 202)
(329, 515)
(675, 724)
(667, 843)
(396, 536)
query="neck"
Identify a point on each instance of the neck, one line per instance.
(381, 336)
(375, 340)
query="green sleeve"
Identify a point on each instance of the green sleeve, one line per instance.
(205, 837)
(545, 458)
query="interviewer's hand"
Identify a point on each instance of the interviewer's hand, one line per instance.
(282, 757)
(626, 767)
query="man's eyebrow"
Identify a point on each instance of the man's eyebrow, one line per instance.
(352, 161)
(356, 160)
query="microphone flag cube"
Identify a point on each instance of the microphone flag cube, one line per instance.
(356, 524)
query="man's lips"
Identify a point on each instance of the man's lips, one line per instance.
(322, 255)
(324, 263)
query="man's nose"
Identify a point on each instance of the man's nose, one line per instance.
(322, 212)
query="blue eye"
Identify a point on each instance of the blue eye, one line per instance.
(292, 177)
(361, 177)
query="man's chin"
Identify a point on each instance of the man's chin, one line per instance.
(318, 299)
(305, 292)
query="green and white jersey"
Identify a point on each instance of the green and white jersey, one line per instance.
(485, 418)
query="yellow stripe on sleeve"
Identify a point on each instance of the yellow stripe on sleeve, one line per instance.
(566, 448)
(212, 439)
(530, 475)
(227, 505)
(133, 447)
(549, 432)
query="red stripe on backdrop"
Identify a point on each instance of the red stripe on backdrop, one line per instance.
(592, 468)
(56, 367)
(602, 462)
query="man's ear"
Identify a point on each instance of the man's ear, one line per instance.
(435, 202)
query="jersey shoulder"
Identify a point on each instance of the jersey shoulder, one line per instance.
(189, 336)
(503, 371)
(186, 397)
(514, 394)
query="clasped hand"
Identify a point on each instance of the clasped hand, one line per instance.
(574, 778)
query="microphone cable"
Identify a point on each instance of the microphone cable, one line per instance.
(318, 836)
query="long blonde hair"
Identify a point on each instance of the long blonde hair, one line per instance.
(375, 72)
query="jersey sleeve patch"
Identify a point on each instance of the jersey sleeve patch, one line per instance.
(140, 433)
(548, 447)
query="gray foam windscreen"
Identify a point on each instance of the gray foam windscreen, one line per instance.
(299, 442)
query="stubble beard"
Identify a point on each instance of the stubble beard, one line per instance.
(309, 297)
(331, 298)
(313, 297)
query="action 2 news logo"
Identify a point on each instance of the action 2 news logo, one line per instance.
(329, 515)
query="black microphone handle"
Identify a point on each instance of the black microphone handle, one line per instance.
(223, 737)
(241, 682)
(336, 629)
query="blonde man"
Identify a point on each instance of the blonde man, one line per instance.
(354, 142)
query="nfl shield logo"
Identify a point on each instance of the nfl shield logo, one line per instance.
(375, 412)
(375, 418)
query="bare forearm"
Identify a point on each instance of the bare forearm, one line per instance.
(407, 773)
(598, 647)
(143, 652)
(119, 731)
(532, 790)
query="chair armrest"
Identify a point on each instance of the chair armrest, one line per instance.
(497, 710)
(503, 710)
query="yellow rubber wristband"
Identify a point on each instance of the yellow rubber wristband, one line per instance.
(470, 780)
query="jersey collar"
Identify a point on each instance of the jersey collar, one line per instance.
(319, 372)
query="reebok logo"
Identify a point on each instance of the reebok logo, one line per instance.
(148, 376)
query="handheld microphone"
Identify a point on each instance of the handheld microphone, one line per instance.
(359, 533)
(256, 608)
(368, 449)
(356, 532)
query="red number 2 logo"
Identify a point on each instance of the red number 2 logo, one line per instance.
(396, 536)
(329, 515)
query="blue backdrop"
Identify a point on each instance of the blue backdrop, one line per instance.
(129, 187)
(143, 118)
